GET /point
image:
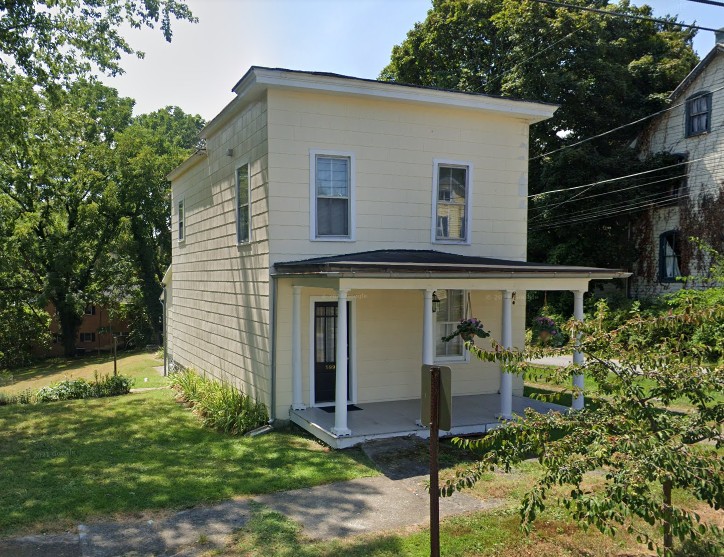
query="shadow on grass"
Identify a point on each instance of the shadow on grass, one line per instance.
(271, 533)
(76, 459)
(557, 397)
(53, 366)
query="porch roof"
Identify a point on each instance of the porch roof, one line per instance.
(427, 263)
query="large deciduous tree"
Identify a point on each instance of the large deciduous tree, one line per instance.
(146, 152)
(604, 71)
(50, 40)
(632, 442)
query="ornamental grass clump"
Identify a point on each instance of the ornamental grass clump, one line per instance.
(220, 406)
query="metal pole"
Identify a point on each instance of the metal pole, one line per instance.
(434, 479)
(115, 348)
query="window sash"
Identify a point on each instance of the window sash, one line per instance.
(451, 208)
(699, 114)
(670, 267)
(243, 196)
(332, 189)
(450, 311)
(181, 223)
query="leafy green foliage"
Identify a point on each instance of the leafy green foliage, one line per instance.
(604, 72)
(644, 450)
(221, 407)
(49, 40)
(71, 389)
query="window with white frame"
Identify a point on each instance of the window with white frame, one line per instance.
(451, 202)
(669, 256)
(332, 179)
(181, 221)
(447, 317)
(90, 309)
(698, 114)
(87, 337)
(243, 197)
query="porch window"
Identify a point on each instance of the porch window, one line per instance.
(447, 317)
(669, 256)
(451, 203)
(698, 114)
(333, 196)
(243, 196)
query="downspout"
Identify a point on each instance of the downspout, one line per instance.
(273, 326)
(165, 333)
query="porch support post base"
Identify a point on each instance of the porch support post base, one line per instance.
(299, 407)
(342, 432)
(578, 380)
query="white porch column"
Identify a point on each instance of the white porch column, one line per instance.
(297, 403)
(577, 403)
(428, 328)
(506, 379)
(340, 396)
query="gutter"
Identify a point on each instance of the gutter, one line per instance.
(452, 275)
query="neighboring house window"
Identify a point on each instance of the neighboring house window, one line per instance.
(669, 256)
(332, 177)
(181, 221)
(447, 317)
(243, 196)
(87, 337)
(698, 114)
(56, 338)
(90, 309)
(451, 191)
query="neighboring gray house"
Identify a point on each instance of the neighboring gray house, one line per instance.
(693, 130)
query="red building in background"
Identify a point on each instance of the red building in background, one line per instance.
(95, 334)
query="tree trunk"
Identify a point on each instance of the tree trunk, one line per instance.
(69, 324)
(668, 536)
(146, 262)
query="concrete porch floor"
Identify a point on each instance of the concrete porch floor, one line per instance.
(397, 418)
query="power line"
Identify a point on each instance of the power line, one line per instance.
(711, 2)
(634, 122)
(630, 16)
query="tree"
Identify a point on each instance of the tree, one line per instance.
(644, 449)
(145, 153)
(51, 40)
(603, 71)
(60, 193)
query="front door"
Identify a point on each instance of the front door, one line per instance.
(325, 351)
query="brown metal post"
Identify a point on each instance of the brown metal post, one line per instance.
(434, 479)
(115, 349)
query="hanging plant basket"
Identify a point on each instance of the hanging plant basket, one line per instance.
(468, 329)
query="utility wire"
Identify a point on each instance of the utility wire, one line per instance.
(711, 2)
(582, 141)
(630, 16)
(610, 180)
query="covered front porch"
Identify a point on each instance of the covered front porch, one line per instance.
(361, 325)
(471, 414)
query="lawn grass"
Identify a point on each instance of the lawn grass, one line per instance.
(64, 462)
(139, 365)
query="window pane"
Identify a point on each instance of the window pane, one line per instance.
(454, 215)
(452, 203)
(449, 314)
(332, 217)
(332, 176)
(243, 223)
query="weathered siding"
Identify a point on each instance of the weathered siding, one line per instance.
(220, 311)
(394, 145)
(706, 171)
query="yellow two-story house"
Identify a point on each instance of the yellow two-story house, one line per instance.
(334, 229)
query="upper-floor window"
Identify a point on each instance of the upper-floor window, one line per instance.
(447, 317)
(669, 256)
(90, 309)
(451, 205)
(243, 197)
(332, 179)
(698, 114)
(181, 221)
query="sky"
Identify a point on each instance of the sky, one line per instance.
(197, 70)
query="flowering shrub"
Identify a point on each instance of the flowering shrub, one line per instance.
(545, 332)
(467, 329)
(70, 389)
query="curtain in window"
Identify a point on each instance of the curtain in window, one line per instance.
(671, 257)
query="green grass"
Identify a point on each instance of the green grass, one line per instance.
(68, 461)
(139, 365)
